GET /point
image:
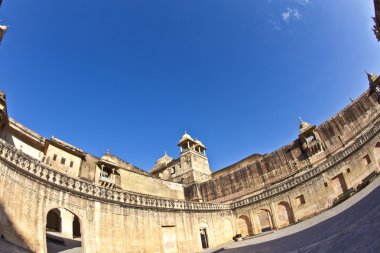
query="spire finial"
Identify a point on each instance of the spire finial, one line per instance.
(165, 153)
(351, 99)
(300, 119)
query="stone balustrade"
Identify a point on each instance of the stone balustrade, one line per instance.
(288, 184)
(32, 167)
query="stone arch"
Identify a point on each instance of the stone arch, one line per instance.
(204, 235)
(228, 230)
(244, 226)
(284, 214)
(69, 234)
(264, 219)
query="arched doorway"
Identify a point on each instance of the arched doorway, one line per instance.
(63, 231)
(203, 230)
(245, 226)
(284, 214)
(265, 220)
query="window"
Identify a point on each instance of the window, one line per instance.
(54, 157)
(71, 164)
(367, 159)
(172, 171)
(63, 161)
(300, 200)
(348, 170)
(325, 184)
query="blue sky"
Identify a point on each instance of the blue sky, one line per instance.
(131, 76)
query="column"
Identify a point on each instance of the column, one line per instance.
(67, 223)
(274, 216)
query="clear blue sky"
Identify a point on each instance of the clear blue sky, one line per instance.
(131, 76)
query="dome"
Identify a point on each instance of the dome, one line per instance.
(164, 160)
(186, 137)
(304, 125)
(200, 143)
(108, 158)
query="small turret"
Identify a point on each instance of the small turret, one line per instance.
(3, 29)
(3, 109)
(310, 141)
(374, 84)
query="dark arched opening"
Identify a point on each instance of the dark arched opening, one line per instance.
(53, 220)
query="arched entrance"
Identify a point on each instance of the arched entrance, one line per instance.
(265, 220)
(63, 231)
(284, 214)
(203, 230)
(245, 226)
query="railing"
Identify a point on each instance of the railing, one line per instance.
(110, 180)
(31, 167)
(287, 185)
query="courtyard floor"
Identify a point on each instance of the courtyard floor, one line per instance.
(352, 226)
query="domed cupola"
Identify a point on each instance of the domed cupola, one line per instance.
(161, 163)
(186, 142)
(199, 146)
(185, 137)
(374, 84)
(164, 160)
(109, 170)
(304, 126)
(309, 138)
(3, 29)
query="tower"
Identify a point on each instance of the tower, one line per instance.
(191, 166)
(194, 161)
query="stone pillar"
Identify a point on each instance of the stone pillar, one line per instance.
(274, 216)
(67, 219)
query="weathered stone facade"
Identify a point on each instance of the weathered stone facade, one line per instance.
(181, 206)
(255, 195)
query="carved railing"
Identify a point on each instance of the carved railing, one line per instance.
(41, 172)
(32, 167)
(289, 184)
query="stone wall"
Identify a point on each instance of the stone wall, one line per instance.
(111, 221)
(261, 171)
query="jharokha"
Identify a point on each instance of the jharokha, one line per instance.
(48, 185)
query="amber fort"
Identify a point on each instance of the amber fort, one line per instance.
(50, 189)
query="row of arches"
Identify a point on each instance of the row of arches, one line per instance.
(263, 220)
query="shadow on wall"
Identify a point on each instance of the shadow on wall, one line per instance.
(55, 242)
(9, 232)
